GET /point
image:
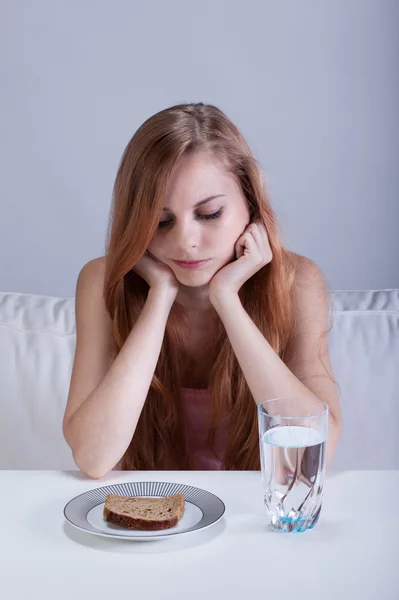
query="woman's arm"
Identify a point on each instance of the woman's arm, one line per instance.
(105, 402)
(266, 374)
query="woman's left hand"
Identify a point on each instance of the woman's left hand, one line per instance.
(252, 251)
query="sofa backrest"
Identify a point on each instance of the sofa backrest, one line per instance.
(37, 343)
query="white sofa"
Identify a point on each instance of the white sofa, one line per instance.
(37, 341)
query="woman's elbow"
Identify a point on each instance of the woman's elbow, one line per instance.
(93, 472)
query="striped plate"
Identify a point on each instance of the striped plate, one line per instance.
(201, 510)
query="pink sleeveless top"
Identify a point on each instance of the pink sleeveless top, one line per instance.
(198, 411)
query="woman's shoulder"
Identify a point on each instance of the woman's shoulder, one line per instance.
(302, 264)
(90, 282)
(309, 282)
(93, 271)
(96, 265)
(298, 259)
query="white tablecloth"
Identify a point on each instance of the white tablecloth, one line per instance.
(351, 552)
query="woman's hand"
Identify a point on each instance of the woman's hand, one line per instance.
(156, 273)
(252, 251)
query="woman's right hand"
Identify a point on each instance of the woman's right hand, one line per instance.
(156, 274)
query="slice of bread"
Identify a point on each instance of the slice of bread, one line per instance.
(145, 514)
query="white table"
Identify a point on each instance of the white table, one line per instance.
(351, 552)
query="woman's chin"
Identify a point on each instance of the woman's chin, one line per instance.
(193, 279)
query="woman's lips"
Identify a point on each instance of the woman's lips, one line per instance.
(190, 264)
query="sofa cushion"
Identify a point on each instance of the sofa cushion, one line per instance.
(37, 342)
(364, 350)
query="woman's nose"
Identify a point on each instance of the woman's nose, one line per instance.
(186, 235)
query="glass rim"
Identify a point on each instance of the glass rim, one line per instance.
(318, 414)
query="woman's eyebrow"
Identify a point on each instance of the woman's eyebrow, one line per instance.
(201, 201)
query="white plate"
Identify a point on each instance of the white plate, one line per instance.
(201, 510)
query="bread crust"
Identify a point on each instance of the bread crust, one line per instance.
(127, 521)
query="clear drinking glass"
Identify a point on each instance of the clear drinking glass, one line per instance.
(293, 438)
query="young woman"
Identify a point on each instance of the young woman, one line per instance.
(197, 313)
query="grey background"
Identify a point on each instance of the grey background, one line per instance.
(313, 86)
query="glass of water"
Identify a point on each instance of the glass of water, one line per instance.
(292, 439)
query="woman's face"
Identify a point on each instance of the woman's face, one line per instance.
(191, 232)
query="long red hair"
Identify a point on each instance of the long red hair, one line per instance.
(158, 441)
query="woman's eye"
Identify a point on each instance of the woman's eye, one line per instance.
(215, 215)
(212, 216)
(163, 223)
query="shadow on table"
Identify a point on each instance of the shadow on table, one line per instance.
(324, 530)
(180, 542)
